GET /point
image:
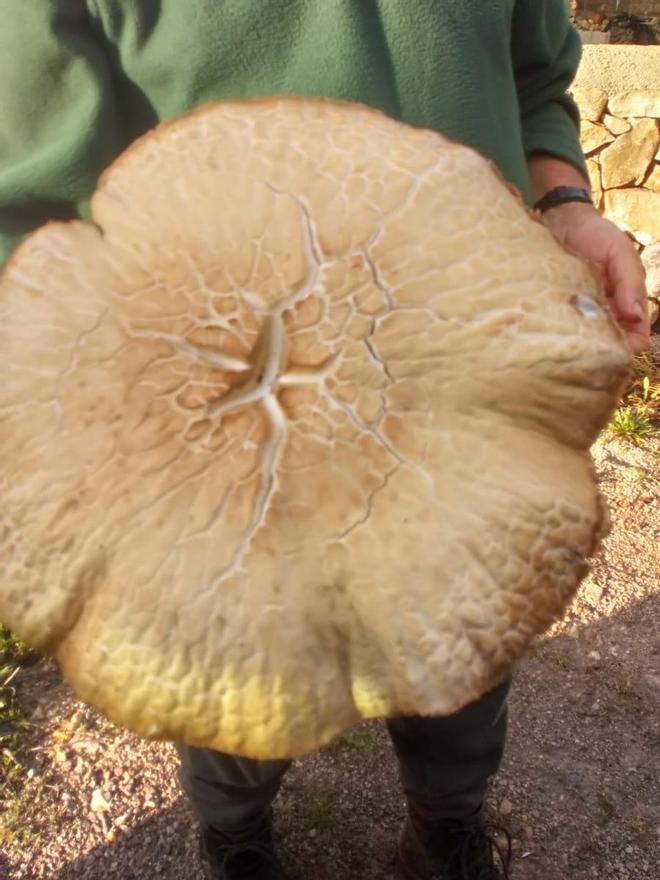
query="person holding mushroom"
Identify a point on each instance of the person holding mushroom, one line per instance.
(255, 352)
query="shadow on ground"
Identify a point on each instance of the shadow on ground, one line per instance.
(578, 788)
(150, 849)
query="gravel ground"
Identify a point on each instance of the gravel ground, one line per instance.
(578, 791)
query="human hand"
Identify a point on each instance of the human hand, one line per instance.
(582, 230)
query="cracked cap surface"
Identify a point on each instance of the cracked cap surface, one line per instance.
(298, 432)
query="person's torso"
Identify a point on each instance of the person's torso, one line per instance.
(442, 64)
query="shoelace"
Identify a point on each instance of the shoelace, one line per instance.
(251, 858)
(478, 856)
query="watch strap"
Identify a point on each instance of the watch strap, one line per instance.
(560, 195)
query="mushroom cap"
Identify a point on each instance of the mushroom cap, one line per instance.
(296, 432)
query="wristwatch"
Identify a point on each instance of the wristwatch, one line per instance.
(560, 195)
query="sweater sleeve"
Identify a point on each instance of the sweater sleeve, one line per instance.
(58, 117)
(546, 51)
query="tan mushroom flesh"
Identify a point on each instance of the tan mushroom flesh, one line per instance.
(297, 432)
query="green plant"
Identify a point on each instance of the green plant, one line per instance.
(11, 649)
(360, 739)
(638, 417)
(12, 722)
(632, 423)
(18, 786)
(322, 812)
(14, 830)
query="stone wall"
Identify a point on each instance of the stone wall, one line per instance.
(637, 7)
(620, 135)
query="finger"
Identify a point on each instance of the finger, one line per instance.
(625, 282)
(638, 333)
(638, 341)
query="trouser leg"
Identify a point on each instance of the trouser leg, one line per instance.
(229, 793)
(446, 762)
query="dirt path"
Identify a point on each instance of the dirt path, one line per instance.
(579, 789)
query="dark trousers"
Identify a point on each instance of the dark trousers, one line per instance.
(444, 763)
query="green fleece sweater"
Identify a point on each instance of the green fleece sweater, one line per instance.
(80, 79)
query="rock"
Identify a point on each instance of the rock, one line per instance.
(594, 37)
(627, 160)
(651, 261)
(654, 311)
(591, 102)
(615, 125)
(616, 68)
(592, 593)
(98, 803)
(506, 807)
(593, 136)
(635, 210)
(594, 176)
(86, 745)
(636, 103)
(652, 181)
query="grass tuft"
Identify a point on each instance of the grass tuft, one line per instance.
(361, 739)
(322, 812)
(18, 784)
(12, 654)
(632, 423)
(638, 417)
(13, 724)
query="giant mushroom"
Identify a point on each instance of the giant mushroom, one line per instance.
(296, 431)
